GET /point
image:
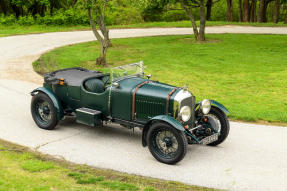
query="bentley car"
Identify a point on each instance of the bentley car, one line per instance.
(169, 116)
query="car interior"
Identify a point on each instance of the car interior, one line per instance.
(98, 84)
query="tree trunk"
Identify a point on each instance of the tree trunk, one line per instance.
(276, 11)
(262, 10)
(3, 7)
(74, 3)
(253, 11)
(285, 20)
(229, 10)
(208, 9)
(42, 10)
(101, 60)
(191, 17)
(240, 17)
(246, 10)
(16, 11)
(251, 19)
(51, 10)
(201, 36)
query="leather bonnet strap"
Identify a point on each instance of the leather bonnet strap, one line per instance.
(134, 97)
(168, 98)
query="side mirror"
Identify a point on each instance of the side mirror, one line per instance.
(149, 76)
(116, 84)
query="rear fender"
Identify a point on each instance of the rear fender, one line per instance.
(55, 100)
(163, 118)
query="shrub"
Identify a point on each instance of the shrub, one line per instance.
(175, 15)
(8, 20)
(26, 20)
(123, 15)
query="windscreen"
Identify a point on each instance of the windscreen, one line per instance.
(135, 69)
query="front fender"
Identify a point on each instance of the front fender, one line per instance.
(165, 118)
(218, 105)
(55, 100)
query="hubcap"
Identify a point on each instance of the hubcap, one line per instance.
(44, 112)
(166, 143)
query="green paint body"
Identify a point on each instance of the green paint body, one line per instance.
(116, 103)
(55, 100)
(150, 99)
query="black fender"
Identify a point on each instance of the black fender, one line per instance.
(163, 118)
(55, 100)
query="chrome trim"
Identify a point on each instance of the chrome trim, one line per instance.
(87, 111)
(181, 95)
(199, 126)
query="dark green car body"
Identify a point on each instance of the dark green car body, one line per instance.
(132, 101)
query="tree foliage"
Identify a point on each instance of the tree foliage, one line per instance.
(135, 11)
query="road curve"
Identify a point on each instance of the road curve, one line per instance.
(252, 158)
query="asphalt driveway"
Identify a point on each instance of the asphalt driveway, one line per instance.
(252, 158)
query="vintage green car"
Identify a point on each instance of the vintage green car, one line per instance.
(169, 116)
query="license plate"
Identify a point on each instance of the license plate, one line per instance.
(209, 139)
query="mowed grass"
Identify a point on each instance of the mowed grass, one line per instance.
(246, 73)
(25, 170)
(18, 29)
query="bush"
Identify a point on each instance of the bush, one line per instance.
(176, 15)
(26, 20)
(123, 15)
(8, 20)
(116, 15)
(63, 17)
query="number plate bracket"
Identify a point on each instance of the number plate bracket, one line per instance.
(209, 139)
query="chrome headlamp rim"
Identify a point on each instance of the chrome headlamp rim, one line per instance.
(185, 113)
(205, 106)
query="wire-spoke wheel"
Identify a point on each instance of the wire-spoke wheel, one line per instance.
(222, 125)
(43, 111)
(166, 144)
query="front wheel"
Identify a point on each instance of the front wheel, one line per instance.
(167, 144)
(43, 111)
(222, 125)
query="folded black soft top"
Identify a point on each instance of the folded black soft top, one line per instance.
(72, 76)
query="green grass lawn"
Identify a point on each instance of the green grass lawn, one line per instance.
(246, 73)
(21, 169)
(17, 29)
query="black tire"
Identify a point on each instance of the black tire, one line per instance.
(177, 135)
(50, 121)
(224, 123)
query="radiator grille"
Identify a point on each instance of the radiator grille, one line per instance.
(148, 107)
(189, 102)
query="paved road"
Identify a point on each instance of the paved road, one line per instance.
(252, 158)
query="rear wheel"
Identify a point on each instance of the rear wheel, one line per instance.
(43, 111)
(167, 144)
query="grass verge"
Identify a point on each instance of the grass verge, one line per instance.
(23, 169)
(247, 73)
(17, 29)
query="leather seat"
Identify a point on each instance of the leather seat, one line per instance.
(95, 85)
